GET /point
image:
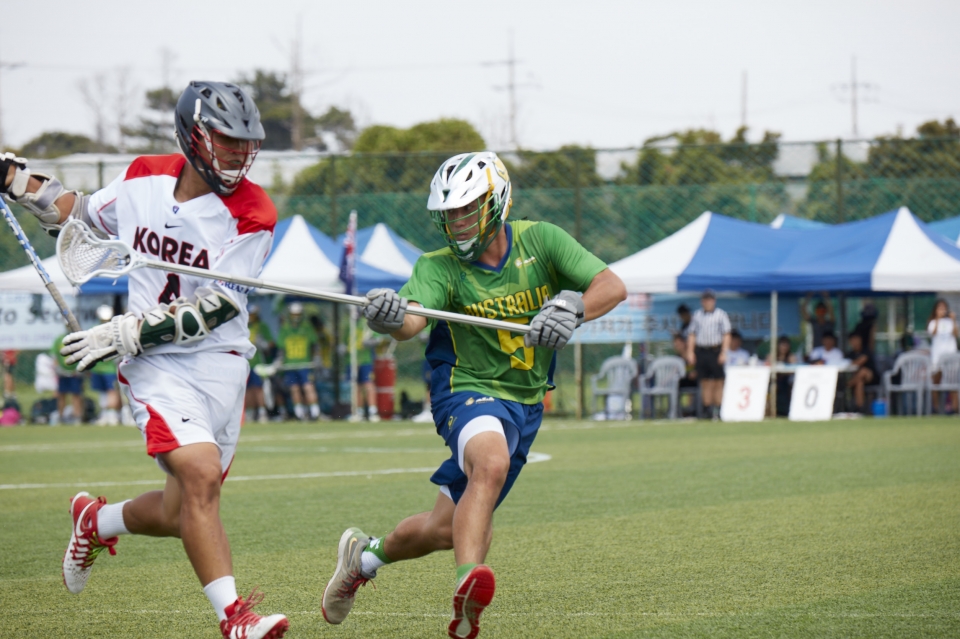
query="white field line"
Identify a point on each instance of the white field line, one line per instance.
(553, 614)
(532, 458)
(245, 439)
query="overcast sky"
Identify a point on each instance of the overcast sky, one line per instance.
(609, 74)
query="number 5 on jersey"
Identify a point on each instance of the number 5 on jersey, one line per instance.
(510, 344)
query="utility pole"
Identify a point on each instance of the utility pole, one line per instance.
(511, 87)
(853, 94)
(857, 90)
(10, 66)
(743, 99)
(296, 89)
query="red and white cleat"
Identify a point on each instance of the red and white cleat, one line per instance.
(85, 543)
(473, 594)
(243, 623)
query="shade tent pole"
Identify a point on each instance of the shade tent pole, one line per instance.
(773, 352)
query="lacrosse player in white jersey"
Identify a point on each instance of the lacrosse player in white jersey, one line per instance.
(183, 345)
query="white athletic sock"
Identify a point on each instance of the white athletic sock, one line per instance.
(110, 521)
(370, 564)
(314, 411)
(298, 411)
(261, 414)
(111, 417)
(221, 592)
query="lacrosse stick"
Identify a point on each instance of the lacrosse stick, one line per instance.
(68, 317)
(84, 256)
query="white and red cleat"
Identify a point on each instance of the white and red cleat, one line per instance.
(243, 623)
(85, 543)
(473, 594)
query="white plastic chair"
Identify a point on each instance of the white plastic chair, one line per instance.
(618, 374)
(663, 378)
(949, 366)
(914, 368)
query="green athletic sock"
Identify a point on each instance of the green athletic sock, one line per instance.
(376, 547)
(462, 571)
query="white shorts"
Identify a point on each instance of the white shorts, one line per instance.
(181, 399)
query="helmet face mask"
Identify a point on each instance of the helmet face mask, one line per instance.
(226, 160)
(219, 131)
(470, 201)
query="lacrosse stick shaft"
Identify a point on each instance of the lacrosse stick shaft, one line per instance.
(334, 297)
(68, 316)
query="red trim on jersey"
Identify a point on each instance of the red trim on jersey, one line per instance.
(102, 223)
(148, 165)
(160, 438)
(251, 207)
(223, 478)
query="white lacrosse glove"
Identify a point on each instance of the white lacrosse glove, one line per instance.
(553, 326)
(385, 310)
(116, 338)
(20, 167)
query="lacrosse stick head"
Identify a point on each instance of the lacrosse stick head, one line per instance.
(83, 255)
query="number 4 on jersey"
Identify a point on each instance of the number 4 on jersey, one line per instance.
(172, 290)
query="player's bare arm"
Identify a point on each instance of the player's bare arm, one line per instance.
(602, 296)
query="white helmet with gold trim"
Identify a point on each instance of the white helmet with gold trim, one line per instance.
(478, 181)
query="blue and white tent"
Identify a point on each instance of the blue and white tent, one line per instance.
(892, 252)
(949, 228)
(384, 259)
(784, 221)
(303, 256)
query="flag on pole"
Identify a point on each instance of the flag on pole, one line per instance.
(348, 265)
(348, 272)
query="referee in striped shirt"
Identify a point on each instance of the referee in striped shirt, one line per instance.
(708, 340)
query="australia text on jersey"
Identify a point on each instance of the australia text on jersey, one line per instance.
(168, 249)
(510, 305)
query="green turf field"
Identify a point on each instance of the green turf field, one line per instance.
(844, 529)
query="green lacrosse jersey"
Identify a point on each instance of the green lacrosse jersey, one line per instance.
(105, 366)
(63, 368)
(542, 261)
(364, 352)
(261, 337)
(297, 343)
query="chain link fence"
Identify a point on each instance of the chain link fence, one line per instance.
(616, 202)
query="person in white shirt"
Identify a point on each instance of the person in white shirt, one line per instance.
(942, 328)
(183, 345)
(828, 354)
(737, 355)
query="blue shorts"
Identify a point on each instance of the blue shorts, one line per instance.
(298, 377)
(254, 380)
(520, 425)
(103, 382)
(363, 373)
(70, 385)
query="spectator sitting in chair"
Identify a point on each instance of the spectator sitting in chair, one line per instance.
(784, 379)
(683, 312)
(737, 355)
(828, 354)
(689, 380)
(866, 370)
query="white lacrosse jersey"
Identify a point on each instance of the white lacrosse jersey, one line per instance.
(231, 234)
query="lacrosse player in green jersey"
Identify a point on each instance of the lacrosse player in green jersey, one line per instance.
(487, 386)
